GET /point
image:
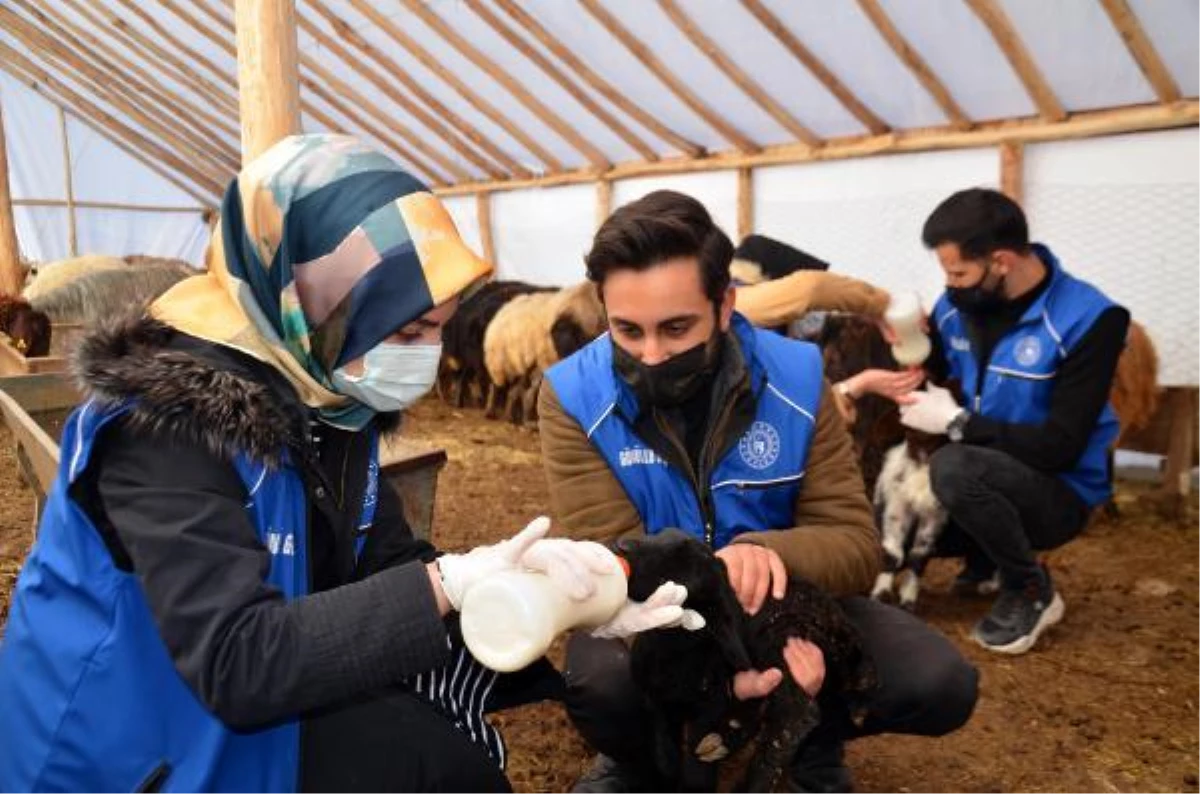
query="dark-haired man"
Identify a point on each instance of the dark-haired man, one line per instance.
(686, 416)
(1035, 350)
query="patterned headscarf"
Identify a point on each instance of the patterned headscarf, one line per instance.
(324, 248)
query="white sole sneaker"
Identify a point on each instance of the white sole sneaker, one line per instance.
(1050, 615)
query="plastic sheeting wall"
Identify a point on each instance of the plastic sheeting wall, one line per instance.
(864, 216)
(1121, 212)
(99, 172)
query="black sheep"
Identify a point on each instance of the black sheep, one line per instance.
(686, 677)
(462, 339)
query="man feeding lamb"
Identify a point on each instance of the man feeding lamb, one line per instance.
(684, 416)
(1035, 350)
(221, 596)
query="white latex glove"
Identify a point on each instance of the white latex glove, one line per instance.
(573, 565)
(462, 571)
(930, 411)
(662, 610)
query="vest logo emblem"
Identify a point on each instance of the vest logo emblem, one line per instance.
(759, 448)
(960, 344)
(1028, 351)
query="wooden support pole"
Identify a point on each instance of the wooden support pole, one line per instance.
(268, 87)
(11, 275)
(745, 203)
(1012, 170)
(69, 185)
(483, 214)
(103, 205)
(603, 201)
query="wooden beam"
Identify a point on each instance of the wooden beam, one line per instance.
(483, 215)
(603, 201)
(268, 83)
(37, 78)
(745, 203)
(736, 74)
(103, 205)
(547, 66)
(106, 83)
(1009, 41)
(144, 82)
(454, 125)
(107, 134)
(169, 62)
(656, 67)
(199, 152)
(1012, 170)
(589, 151)
(69, 185)
(915, 63)
(194, 56)
(371, 106)
(598, 83)
(351, 112)
(1090, 124)
(12, 276)
(1142, 49)
(439, 108)
(824, 76)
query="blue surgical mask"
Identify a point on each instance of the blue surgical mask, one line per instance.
(394, 376)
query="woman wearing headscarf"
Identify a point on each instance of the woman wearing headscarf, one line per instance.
(221, 597)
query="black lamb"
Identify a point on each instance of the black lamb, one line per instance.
(686, 677)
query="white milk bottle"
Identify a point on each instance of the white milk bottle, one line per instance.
(510, 619)
(904, 315)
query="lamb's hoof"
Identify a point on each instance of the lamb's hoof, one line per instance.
(909, 606)
(884, 597)
(711, 748)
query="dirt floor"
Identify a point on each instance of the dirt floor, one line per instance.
(1107, 702)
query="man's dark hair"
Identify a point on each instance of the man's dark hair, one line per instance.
(660, 226)
(979, 222)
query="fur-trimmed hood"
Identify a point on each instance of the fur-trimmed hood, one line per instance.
(191, 390)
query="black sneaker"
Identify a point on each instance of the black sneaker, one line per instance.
(607, 775)
(1019, 617)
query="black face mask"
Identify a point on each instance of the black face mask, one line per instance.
(978, 299)
(673, 381)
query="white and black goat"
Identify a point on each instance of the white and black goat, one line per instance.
(686, 677)
(910, 516)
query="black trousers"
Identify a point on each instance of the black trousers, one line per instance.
(392, 741)
(1006, 509)
(926, 686)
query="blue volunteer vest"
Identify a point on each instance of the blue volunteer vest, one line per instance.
(1019, 377)
(754, 486)
(91, 698)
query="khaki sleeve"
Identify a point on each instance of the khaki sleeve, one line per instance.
(834, 542)
(778, 302)
(586, 500)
